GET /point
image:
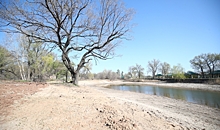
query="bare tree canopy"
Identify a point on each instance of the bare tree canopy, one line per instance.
(206, 63)
(164, 68)
(88, 29)
(136, 71)
(140, 70)
(211, 61)
(153, 66)
(198, 64)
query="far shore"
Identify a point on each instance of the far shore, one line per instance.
(105, 83)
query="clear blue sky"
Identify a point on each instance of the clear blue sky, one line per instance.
(172, 31)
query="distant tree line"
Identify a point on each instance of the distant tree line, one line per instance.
(107, 74)
(31, 60)
(204, 65)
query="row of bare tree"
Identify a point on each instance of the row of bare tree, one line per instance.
(154, 67)
(204, 63)
(137, 71)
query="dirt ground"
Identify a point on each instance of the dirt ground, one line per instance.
(90, 107)
(11, 92)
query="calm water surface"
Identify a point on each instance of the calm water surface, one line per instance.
(208, 98)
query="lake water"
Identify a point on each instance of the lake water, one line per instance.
(208, 98)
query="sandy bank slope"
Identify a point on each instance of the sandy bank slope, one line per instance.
(184, 113)
(59, 107)
(187, 115)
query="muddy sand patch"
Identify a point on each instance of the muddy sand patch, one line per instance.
(11, 92)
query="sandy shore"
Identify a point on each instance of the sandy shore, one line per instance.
(188, 115)
(91, 107)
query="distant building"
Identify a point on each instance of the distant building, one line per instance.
(192, 75)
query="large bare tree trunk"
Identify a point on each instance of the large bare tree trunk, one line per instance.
(201, 68)
(28, 71)
(213, 69)
(153, 74)
(75, 78)
(28, 74)
(67, 76)
(74, 73)
(21, 68)
(210, 70)
(153, 66)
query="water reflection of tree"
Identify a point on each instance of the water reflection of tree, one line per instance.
(154, 91)
(217, 105)
(144, 90)
(165, 92)
(139, 89)
(166, 95)
(180, 94)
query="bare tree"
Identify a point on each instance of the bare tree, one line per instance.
(28, 55)
(153, 66)
(130, 71)
(198, 64)
(112, 75)
(19, 57)
(102, 75)
(18, 53)
(118, 73)
(33, 50)
(206, 62)
(89, 29)
(139, 70)
(7, 64)
(164, 68)
(107, 74)
(135, 71)
(211, 61)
